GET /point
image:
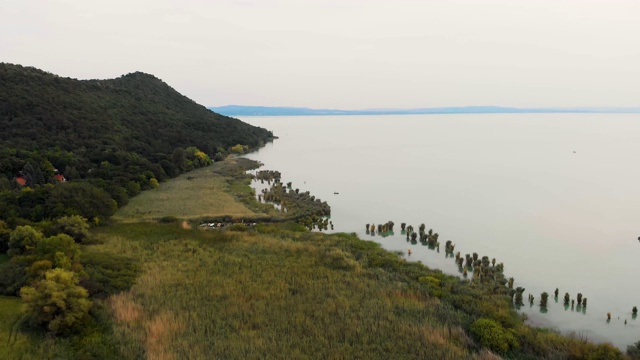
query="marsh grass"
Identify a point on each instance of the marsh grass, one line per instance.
(279, 292)
(252, 295)
(197, 194)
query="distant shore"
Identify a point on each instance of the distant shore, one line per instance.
(239, 110)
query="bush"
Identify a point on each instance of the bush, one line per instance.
(634, 350)
(492, 335)
(23, 239)
(13, 276)
(4, 236)
(75, 226)
(56, 303)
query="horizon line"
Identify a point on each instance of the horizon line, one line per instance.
(469, 109)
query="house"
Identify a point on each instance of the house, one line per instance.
(21, 181)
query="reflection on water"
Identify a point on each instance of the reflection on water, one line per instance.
(552, 197)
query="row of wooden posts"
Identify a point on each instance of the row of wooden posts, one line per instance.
(481, 267)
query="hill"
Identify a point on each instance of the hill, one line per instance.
(120, 136)
(136, 112)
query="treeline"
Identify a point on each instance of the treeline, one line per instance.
(108, 139)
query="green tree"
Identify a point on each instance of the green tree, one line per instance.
(75, 226)
(23, 240)
(197, 157)
(237, 149)
(60, 249)
(80, 198)
(56, 303)
(5, 231)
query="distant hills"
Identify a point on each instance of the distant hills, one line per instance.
(239, 110)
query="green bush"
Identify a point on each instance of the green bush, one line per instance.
(13, 276)
(56, 303)
(492, 335)
(75, 226)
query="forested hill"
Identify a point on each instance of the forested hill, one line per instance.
(135, 112)
(117, 136)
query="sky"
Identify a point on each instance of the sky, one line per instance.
(342, 54)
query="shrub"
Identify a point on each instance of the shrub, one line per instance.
(492, 335)
(75, 226)
(13, 276)
(634, 350)
(56, 303)
(23, 239)
(4, 236)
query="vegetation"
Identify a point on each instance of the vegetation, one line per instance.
(109, 139)
(56, 302)
(169, 291)
(199, 194)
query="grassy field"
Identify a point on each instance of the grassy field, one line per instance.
(198, 194)
(254, 296)
(3, 258)
(15, 342)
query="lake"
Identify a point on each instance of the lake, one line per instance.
(555, 197)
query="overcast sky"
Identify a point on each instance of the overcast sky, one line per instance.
(346, 54)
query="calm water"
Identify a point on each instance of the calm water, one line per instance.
(555, 197)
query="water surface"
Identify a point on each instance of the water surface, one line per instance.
(555, 197)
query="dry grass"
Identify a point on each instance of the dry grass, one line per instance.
(125, 310)
(160, 330)
(197, 194)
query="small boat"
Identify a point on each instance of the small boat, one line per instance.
(335, 193)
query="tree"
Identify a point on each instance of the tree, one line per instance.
(23, 239)
(237, 149)
(75, 226)
(80, 198)
(179, 159)
(4, 236)
(57, 302)
(197, 157)
(61, 250)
